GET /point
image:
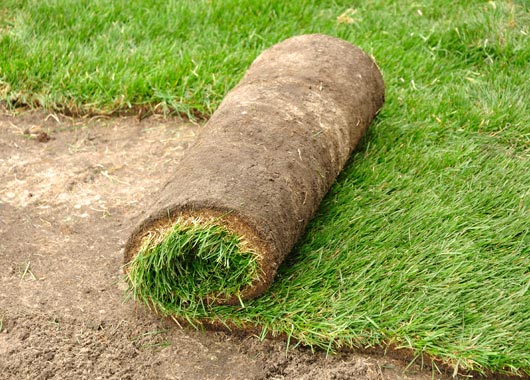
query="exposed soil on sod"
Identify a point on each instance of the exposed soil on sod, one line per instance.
(266, 158)
(71, 191)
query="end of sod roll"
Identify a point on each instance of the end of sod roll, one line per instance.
(241, 198)
(198, 257)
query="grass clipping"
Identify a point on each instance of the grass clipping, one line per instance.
(190, 263)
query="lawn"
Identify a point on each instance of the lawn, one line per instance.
(424, 240)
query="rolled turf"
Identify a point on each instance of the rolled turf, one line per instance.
(241, 198)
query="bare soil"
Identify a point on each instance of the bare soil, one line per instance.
(71, 191)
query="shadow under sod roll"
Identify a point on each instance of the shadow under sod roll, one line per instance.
(241, 198)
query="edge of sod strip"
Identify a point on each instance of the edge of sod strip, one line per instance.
(195, 259)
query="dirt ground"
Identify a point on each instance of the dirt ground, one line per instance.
(71, 190)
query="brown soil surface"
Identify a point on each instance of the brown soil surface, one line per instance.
(71, 191)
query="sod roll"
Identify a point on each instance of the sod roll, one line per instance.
(241, 198)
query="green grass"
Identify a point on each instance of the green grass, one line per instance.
(424, 240)
(189, 266)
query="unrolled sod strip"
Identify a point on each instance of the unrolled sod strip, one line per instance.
(241, 198)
